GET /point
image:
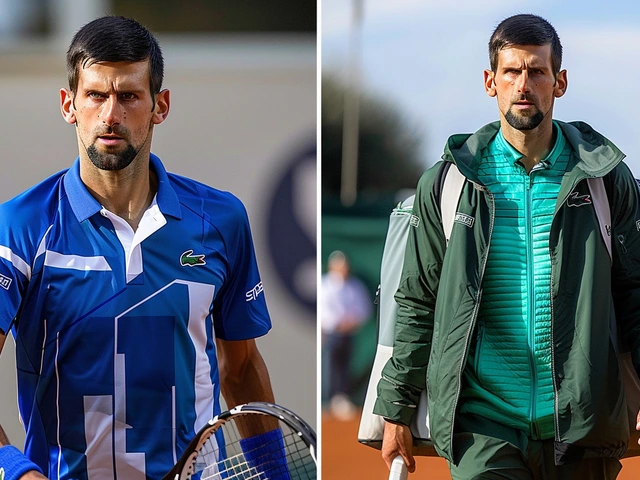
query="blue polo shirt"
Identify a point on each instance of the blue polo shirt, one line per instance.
(115, 330)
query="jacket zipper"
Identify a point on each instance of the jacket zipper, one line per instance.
(474, 315)
(553, 357)
(531, 306)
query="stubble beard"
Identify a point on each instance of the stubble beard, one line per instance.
(112, 161)
(522, 122)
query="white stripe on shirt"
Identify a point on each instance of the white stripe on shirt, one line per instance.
(22, 266)
(75, 262)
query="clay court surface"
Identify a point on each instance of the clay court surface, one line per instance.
(344, 458)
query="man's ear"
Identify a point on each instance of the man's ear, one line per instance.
(66, 106)
(489, 83)
(161, 107)
(561, 84)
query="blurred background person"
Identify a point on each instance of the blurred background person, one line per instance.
(345, 307)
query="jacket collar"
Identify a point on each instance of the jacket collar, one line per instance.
(84, 205)
(514, 155)
(596, 155)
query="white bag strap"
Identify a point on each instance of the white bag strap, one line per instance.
(454, 181)
(449, 198)
(603, 211)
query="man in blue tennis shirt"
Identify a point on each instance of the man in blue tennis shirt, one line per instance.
(133, 295)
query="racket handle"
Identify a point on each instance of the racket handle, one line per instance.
(398, 469)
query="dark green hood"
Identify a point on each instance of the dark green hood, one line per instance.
(597, 155)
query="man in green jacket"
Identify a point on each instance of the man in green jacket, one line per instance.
(513, 326)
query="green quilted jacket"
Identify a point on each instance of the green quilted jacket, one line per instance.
(593, 300)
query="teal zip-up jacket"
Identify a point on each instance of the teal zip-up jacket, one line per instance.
(439, 296)
(508, 375)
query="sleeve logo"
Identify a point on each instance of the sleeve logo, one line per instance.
(5, 282)
(414, 221)
(254, 292)
(464, 219)
(575, 200)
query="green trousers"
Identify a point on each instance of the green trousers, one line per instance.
(484, 449)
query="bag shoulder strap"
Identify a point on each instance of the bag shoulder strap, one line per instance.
(449, 198)
(454, 181)
(603, 211)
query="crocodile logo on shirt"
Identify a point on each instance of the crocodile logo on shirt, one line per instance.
(187, 259)
(576, 200)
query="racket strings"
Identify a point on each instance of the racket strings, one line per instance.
(287, 459)
(232, 467)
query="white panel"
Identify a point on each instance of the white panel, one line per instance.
(98, 433)
(200, 299)
(22, 266)
(75, 262)
(128, 465)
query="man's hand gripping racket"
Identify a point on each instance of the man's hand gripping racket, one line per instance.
(218, 451)
(396, 444)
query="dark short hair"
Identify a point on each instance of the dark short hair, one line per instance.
(525, 29)
(114, 39)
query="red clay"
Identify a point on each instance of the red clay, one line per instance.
(344, 458)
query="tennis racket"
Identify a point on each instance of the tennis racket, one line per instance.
(398, 470)
(218, 451)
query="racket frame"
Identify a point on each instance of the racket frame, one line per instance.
(184, 468)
